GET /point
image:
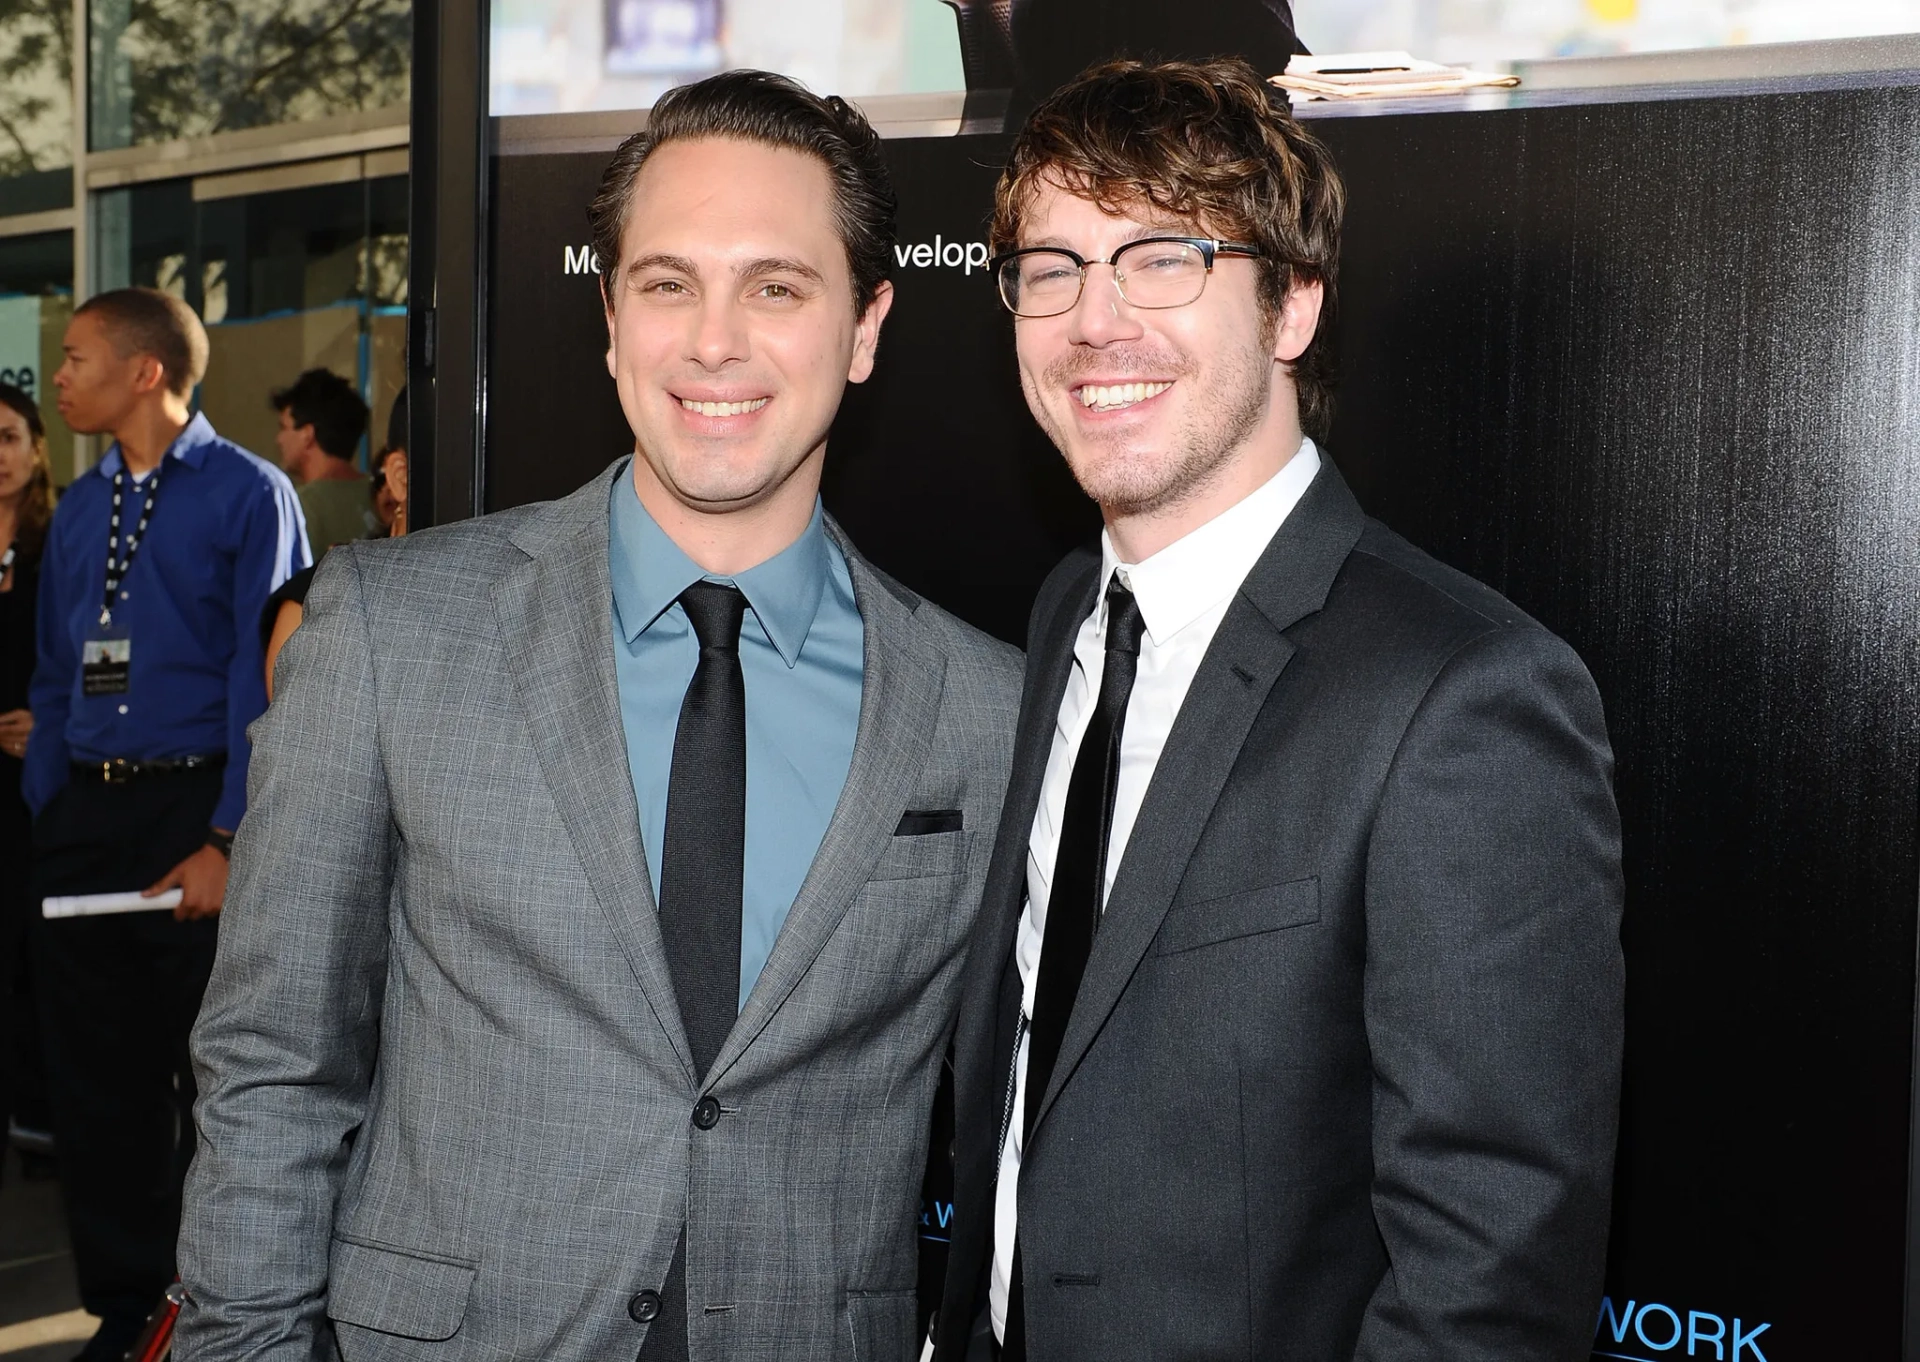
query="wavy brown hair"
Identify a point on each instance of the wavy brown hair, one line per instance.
(1210, 142)
(36, 507)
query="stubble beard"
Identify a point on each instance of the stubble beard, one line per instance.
(1131, 482)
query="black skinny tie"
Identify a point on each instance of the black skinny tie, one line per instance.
(1079, 884)
(702, 867)
(703, 860)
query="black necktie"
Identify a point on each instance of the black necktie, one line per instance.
(1079, 885)
(703, 860)
(702, 866)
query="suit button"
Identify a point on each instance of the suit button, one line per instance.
(644, 1307)
(706, 1114)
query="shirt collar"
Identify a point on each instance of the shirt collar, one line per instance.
(189, 446)
(1201, 570)
(650, 571)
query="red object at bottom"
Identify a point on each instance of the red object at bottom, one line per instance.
(155, 1343)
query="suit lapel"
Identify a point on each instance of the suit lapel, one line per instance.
(1290, 581)
(1049, 667)
(556, 618)
(904, 673)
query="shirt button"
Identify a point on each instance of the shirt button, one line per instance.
(123, 709)
(644, 1308)
(706, 1114)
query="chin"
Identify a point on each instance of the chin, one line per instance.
(721, 486)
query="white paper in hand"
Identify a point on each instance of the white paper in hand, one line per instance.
(89, 905)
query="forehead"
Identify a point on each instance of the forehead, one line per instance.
(1058, 212)
(724, 195)
(86, 329)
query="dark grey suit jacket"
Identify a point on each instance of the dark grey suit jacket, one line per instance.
(446, 1100)
(1341, 1079)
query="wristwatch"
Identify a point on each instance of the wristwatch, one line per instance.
(221, 842)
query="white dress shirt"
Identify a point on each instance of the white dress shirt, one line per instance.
(1183, 592)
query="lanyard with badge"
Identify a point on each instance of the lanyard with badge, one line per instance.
(106, 658)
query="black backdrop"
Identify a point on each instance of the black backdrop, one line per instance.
(1652, 370)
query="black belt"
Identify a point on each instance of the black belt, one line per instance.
(120, 770)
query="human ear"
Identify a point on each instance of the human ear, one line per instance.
(866, 340)
(1299, 320)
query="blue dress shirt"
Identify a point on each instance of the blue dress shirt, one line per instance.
(226, 532)
(801, 660)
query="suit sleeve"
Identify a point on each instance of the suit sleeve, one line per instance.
(1493, 1001)
(284, 1048)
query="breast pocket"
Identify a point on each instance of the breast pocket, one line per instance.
(1230, 917)
(926, 856)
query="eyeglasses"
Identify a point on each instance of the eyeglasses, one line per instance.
(1154, 272)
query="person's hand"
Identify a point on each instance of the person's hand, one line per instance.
(201, 880)
(15, 726)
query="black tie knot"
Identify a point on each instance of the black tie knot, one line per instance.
(1124, 625)
(715, 611)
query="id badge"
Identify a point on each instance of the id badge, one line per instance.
(106, 663)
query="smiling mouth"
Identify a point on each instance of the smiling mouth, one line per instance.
(724, 408)
(1116, 396)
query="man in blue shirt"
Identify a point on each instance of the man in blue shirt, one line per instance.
(157, 566)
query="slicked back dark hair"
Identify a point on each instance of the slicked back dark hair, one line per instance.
(145, 321)
(1207, 141)
(322, 399)
(759, 106)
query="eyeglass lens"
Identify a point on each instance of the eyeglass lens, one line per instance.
(1149, 274)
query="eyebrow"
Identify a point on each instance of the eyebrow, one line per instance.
(776, 264)
(659, 261)
(772, 264)
(1169, 229)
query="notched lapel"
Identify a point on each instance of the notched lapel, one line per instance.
(900, 689)
(1049, 668)
(556, 619)
(1290, 581)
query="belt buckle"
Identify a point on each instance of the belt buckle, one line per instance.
(117, 771)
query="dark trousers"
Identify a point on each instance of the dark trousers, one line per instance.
(117, 997)
(23, 1089)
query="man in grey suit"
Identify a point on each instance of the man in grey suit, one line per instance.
(1294, 1027)
(595, 931)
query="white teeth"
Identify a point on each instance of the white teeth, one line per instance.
(725, 408)
(1110, 397)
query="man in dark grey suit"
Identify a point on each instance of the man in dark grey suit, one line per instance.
(596, 928)
(1293, 1029)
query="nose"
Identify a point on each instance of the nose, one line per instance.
(1102, 316)
(720, 334)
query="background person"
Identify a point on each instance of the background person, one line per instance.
(390, 471)
(388, 489)
(26, 505)
(322, 420)
(136, 770)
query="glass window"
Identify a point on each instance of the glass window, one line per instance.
(36, 107)
(36, 302)
(561, 55)
(293, 279)
(165, 69)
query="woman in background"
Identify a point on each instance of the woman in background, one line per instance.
(26, 505)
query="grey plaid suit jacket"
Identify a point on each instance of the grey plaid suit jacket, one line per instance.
(445, 1094)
